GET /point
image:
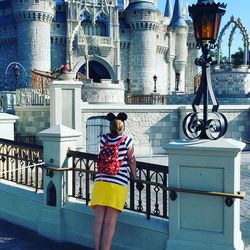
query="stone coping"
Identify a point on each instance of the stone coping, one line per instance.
(143, 108)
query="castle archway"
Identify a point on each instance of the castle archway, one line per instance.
(96, 71)
(236, 24)
(98, 68)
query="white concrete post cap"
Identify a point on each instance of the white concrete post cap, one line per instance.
(59, 131)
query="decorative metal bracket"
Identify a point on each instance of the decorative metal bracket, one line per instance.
(216, 126)
(50, 172)
(173, 195)
(229, 201)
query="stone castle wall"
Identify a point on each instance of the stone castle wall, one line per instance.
(8, 53)
(58, 56)
(32, 119)
(231, 82)
(150, 126)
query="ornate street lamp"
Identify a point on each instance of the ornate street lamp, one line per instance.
(177, 80)
(128, 85)
(206, 15)
(16, 72)
(155, 80)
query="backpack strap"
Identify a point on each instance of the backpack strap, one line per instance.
(118, 145)
(106, 140)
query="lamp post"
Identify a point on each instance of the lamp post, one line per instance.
(16, 72)
(155, 80)
(128, 86)
(206, 16)
(177, 80)
(19, 73)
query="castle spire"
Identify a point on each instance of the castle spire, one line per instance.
(177, 18)
(168, 9)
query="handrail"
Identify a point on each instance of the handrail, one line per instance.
(239, 195)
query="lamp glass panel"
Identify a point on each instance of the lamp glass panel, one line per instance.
(217, 26)
(207, 28)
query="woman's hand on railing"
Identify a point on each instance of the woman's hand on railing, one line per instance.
(134, 178)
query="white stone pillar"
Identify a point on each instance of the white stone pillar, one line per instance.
(56, 142)
(202, 222)
(7, 126)
(65, 103)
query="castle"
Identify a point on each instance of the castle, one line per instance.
(117, 41)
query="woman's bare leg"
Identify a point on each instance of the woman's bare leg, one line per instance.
(98, 225)
(109, 227)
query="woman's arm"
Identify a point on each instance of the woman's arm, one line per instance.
(132, 162)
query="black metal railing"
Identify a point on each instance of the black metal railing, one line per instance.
(149, 198)
(21, 163)
(156, 99)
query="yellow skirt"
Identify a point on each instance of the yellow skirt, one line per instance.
(109, 194)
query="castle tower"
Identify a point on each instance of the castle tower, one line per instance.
(143, 19)
(33, 19)
(179, 32)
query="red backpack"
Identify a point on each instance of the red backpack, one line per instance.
(108, 158)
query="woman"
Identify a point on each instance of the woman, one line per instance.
(110, 191)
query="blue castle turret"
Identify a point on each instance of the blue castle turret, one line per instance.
(168, 9)
(179, 30)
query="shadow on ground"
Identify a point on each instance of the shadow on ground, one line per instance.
(14, 237)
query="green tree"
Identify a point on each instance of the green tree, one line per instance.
(214, 55)
(238, 58)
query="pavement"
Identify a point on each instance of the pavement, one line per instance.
(14, 237)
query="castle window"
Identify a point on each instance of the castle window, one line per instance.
(149, 12)
(59, 7)
(123, 31)
(36, 1)
(134, 12)
(101, 25)
(58, 25)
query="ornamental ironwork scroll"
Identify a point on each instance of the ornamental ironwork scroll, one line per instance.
(214, 124)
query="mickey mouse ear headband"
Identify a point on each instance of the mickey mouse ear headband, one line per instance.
(121, 116)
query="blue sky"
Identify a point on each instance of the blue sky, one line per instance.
(238, 8)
